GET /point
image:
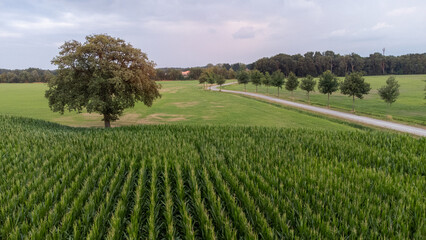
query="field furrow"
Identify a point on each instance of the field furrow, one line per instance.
(207, 182)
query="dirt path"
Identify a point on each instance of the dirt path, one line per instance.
(348, 116)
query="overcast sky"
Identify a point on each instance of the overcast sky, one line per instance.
(185, 33)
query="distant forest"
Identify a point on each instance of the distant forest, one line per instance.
(313, 63)
(29, 75)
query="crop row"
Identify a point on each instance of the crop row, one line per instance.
(208, 183)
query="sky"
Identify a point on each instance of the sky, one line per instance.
(188, 33)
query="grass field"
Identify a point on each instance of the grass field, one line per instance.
(208, 182)
(409, 107)
(182, 102)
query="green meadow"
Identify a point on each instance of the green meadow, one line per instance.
(409, 107)
(182, 102)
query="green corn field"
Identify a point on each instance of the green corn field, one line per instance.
(208, 182)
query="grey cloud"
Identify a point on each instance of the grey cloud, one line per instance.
(244, 33)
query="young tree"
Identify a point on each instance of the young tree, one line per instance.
(220, 80)
(390, 92)
(207, 77)
(211, 77)
(104, 75)
(256, 78)
(267, 81)
(328, 84)
(203, 79)
(277, 80)
(243, 78)
(355, 86)
(308, 84)
(291, 83)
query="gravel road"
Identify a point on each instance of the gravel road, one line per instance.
(348, 116)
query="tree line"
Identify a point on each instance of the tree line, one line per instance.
(353, 85)
(225, 70)
(29, 75)
(311, 63)
(315, 63)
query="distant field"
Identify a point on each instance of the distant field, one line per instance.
(409, 107)
(208, 182)
(183, 102)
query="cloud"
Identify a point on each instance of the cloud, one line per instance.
(401, 11)
(380, 25)
(244, 33)
(7, 34)
(41, 23)
(339, 33)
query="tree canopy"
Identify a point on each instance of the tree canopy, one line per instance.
(104, 75)
(354, 86)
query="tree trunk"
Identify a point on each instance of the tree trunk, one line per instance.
(328, 103)
(220, 88)
(245, 90)
(278, 91)
(256, 88)
(353, 103)
(107, 123)
(309, 100)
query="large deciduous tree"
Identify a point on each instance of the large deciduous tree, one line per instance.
(390, 92)
(256, 78)
(243, 78)
(328, 84)
(277, 80)
(104, 75)
(291, 83)
(354, 86)
(308, 84)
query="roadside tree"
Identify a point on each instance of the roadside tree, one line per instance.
(104, 75)
(243, 78)
(277, 80)
(308, 84)
(267, 81)
(220, 80)
(291, 83)
(354, 86)
(390, 92)
(328, 84)
(256, 78)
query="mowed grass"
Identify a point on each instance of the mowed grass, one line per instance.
(409, 107)
(182, 102)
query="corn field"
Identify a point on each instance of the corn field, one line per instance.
(204, 182)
